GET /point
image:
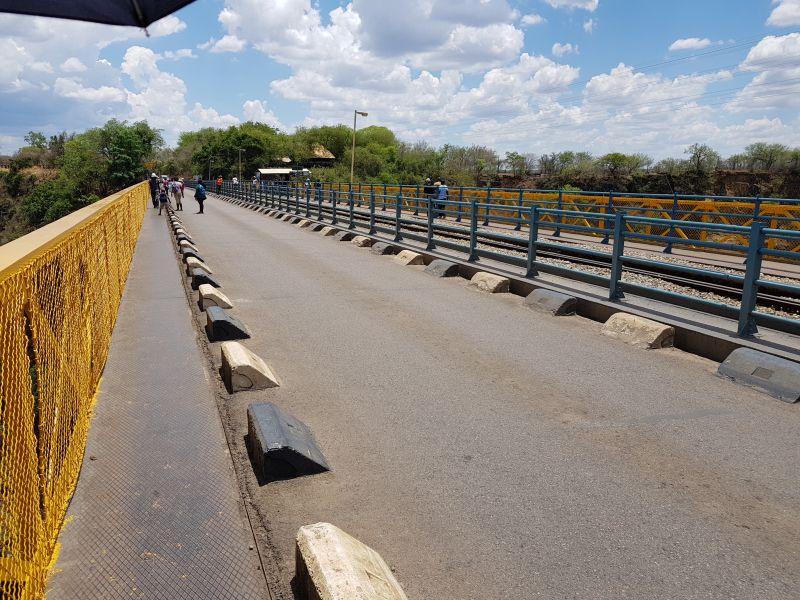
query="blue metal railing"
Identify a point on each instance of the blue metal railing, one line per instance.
(390, 214)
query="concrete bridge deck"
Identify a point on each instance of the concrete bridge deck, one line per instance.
(485, 450)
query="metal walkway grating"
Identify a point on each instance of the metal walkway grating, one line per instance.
(157, 512)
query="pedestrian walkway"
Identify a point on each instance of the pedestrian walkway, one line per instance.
(157, 512)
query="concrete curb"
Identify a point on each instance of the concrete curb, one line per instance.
(193, 263)
(211, 296)
(555, 303)
(361, 241)
(200, 276)
(407, 257)
(189, 245)
(344, 236)
(328, 231)
(489, 282)
(222, 327)
(332, 565)
(777, 377)
(382, 248)
(638, 331)
(244, 370)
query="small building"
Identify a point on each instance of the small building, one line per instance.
(321, 156)
(282, 174)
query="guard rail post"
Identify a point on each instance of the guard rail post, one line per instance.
(473, 231)
(617, 252)
(460, 200)
(488, 203)
(333, 207)
(397, 208)
(673, 215)
(383, 199)
(359, 195)
(416, 202)
(430, 245)
(533, 233)
(372, 211)
(518, 226)
(308, 201)
(609, 211)
(747, 321)
(350, 204)
(757, 208)
(559, 217)
(320, 192)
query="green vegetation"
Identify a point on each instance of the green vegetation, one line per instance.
(51, 177)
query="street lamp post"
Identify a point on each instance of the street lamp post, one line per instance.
(240, 164)
(353, 154)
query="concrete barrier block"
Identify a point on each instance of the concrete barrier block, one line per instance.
(184, 237)
(382, 248)
(200, 276)
(211, 296)
(185, 244)
(193, 263)
(304, 223)
(287, 218)
(327, 231)
(180, 230)
(244, 370)
(776, 376)
(316, 226)
(489, 282)
(442, 268)
(555, 303)
(344, 236)
(332, 565)
(407, 257)
(222, 326)
(362, 241)
(638, 331)
(280, 445)
(187, 253)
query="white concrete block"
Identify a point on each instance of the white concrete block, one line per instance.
(327, 231)
(332, 565)
(489, 282)
(211, 296)
(361, 241)
(244, 370)
(407, 257)
(193, 263)
(189, 245)
(639, 331)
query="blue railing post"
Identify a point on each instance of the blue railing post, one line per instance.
(320, 192)
(473, 231)
(350, 204)
(383, 199)
(533, 233)
(397, 208)
(559, 217)
(416, 202)
(430, 245)
(747, 321)
(308, 201)
(609, 211)
(359, 195)
(618, 251)
(518, 226)
(488, 202)
(460, 200)
(333, 207)
(673, 215)
(372, 211)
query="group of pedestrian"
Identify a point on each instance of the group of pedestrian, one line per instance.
(438, 193)
(163, 190)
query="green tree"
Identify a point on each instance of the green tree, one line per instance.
(36, 139)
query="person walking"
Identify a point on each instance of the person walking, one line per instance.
(163, 199)
(219, 184)
(154, 189)
(200, 195)
(441, 196)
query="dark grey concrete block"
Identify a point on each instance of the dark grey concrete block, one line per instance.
(183, 236)
(555, 303)
(201, 276)
(778, 377)
(221, 326)
(344, 236)
(382, 248)
(187, 252)
(280, 445)
(442, 268)
(316, 226)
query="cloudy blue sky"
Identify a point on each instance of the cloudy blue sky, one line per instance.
(526, 75)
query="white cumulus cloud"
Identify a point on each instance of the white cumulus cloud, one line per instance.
(257, 111)
(228, 43)
(785, 14)
(73, 65)
(588, 26)
(70, 88)
(564, 49)
(590, 5)
(532, 19)
(689, 44)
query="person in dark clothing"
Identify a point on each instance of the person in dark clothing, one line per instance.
(442, 194)
(154, 190)
(200, 195)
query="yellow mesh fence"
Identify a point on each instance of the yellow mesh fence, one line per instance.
(60, 288)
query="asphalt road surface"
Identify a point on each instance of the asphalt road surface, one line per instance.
(488, 451)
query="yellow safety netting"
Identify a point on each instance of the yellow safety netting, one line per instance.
(60, 288)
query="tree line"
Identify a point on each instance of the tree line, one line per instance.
(52, 176)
